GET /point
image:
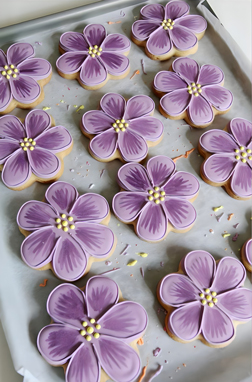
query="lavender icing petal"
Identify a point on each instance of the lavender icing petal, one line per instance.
(241, 181)
(139, 106)
(3, 58)
(210, 75)
(84, 365)
(142, 29)
(176, 102)
(176, 9)
(104, 145)
(7, 148)
(16, 171)
(116, 42)
(159, 169)
(101, 294)
(218, 141)
(152, 223)
(71, 62)
(179, 212)
(200, 266)
(43, 163)
(218, 96)
(133, 147)
(11, 127)
(166, 81)
(5, 93)
(37, 68)
(149, 128)
(61, 196)
(113, 105)
(69, 260)
(185, 322)
(73, 41)
(24, 89)
(55, 139)
(90, 206)
(93, 72)
(217, 327)
(94, 34)
(182, 184)
(218, 168)
(36, 122)
(96, 121)
(117, 358)
(33, 215)
(159, 42)
(230, 274)
(115, 63)
(127, 205)
(153, 12)
(196, 24)
(19, 52)
(241, 130)
(237, 304)
(183, 38)
(200, 111)
(187, 68)
(133, 177)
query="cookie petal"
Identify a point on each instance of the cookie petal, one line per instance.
(33, 215)
(218, 96)
(176, 9)
(93, 72)
(160, 168)
(218, 141)
(94, 34)
(133, 177)
(176, 102)
(116, 42)
(19, 52)
(139, 106)
(210, 75)
(24, 89)
(241, 130)
(3, 58)
(56, 139)
(237, 304)
(61, 196)
(127, 205)
(73, 41)
(195, 23)
(153, 11)
(11, 127)
(36, 122)
(185, 322)
(218, 168)
(182, 184)
(71, 62)
(89, 370)
(133, 147)
(166, 81)
(159, 42)
(113, 105)
(183, 38)
(44, 163)
(230, 274)
(241, 182)
(152, 223)
(16, 171)
(115, 63)
(148, 127)
(217, 327)
(187, 68)
(179, 212)
(7, 147)
(37, 68)
(96, 121)
(104, 145)
(200, 266)
(142, 29)
(200, 111)
(90, 206)
(5, 94)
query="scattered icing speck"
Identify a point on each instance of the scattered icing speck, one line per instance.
(122, 14)
(142, 254)
(71, 169)
(114, 22)
(81, 107)
(230, 216)
(156, 352)
(226, 235)
(215, 209)
(62, 101)
(143, 67)
(124, 251)
(135, 73)
(211, 231)
(38, 43)
(91, 185)
(235, 237)
(44, 283)
(111, 270)
(143, 374)
(142, 272)
(108, 262)
(140, 342)
(68, 107)
(75, 106)
(102, 172)
(184, 364)
(236, 225)
(132, 263)
(161, 263)
(218, 218)
(46, 108)
(187, 153)
(156, 373)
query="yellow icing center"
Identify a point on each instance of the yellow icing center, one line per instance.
(94, 51)
(89, 331)
(120, 125)
(156, 195)
(194, 89)
(9, 71)
(167, 24)
(242, 154)
(208, 297)
(63, 223)
(27, 144)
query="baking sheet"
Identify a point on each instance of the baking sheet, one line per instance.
(23, 301)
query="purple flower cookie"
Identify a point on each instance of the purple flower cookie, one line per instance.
(65, 233)
(22, 77)
(122, 129)
(207, 300)
(33, 150)
(246, 254)
(191, 92)
(92, 332)
(228, 157)
(168, 31)
(93, 57)
(156, 199)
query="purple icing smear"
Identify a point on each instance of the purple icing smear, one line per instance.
(92, 330)
(232, 156)
(65, 231)
(93, 54)
(193, 89)
(207, 298)
(155, 196)
(169, 27)
(123, 126)
(31, 148)
(19, 73)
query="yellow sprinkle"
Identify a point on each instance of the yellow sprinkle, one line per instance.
(169, 20)
(90, 330)
(162, 193)
(81, 107)
(6, 67)
(14, 75)
(9, 71)
(94, 51)
(34, 143)
(30, 139)
(193, 83)
(189, 87)
(215, 300)
(72, 226)
(248, 151)
(156, 188)
(120, 125)
(207, 290)
(114, 125)
(162, 198)
(150, 198)
(208, 297)
(117, 129)
(3, 73)
(243, 160)
(132, 263)
(123, 129)
(93, 55)
(25, 148)
(88, 338)
(12, 66)
(199, 90)
(165, 28)
(126, 125)
(242, 148)
(150, 192)
(157, 201)
(215, 209)
(59, 226)
(16, 70)
(100, 49)
(194, 89)
(196, 94)
(211, 304)
(58, 220)
(237, 150)
(84, 323)
(65, 229)
(46, 108)
(122, 120)
(190, 91)
(142, 254)
(226, 235)
(31, 148)
(70, 218)
(65, 224)
(156, 194)
(92, 321)
(83, 332)
(27, 144)
(198, 86)
(96, 335)
(117, 121)
(98, 54)
(203, 302)
(201, 295)
(22, 144)
(213, 294)
(250, 157)
(237, 157)
(244, 155)
(171, 27)
(96, 46)
(98, 326)
(63, 215)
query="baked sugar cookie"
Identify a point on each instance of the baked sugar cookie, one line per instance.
(156, 199)
(93, 57)
(93, 335)
(205, 299)
(32, 151)
(246, 254)
(67, 232)
(228, 158)
(193, 93)
(168, 31)
(22, 78)
(122, 129)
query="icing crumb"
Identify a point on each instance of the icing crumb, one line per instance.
(161, 263)
(114, 22)
(184, 364)
(140, 342)
(156, 352)
(102, 172)
(143, 374)
(124, 251)
(218, 218)
(108, 262)
(71, 169)
(236, 225)
(142, 254)
(235, 237)
(81, 107)
(226, 235)
(135, 73)
(156, 373)
(46, 108)
(62, 101)
(111, 270)
(132, 263)
(215, 209)
(142, 272)
(38, 43)
(230, 216)
(91, 185)
(143, 66)
(187, 153)
(211, 231)
(75, 106)
(44, 283)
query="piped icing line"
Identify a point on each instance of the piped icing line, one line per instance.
(205, 300)
(64, 232)
(93, 56)
(228, 158)
(92, 332)
(33, 150)
(20, 74)
(246, 254)
(168, 31)
(191, 92)
(156, 199)
(122, 129)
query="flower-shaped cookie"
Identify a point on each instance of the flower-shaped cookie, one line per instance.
(92, 331)
(156, 199)
(191, 92)
(32, 151)
(93, 57)
(168, 31)
(122, 129)
(64, 232)
(246, 254)
(22, 77)
(206, 301)
(231, 163)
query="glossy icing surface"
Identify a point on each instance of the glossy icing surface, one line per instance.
(122, 125)
(19, 73)
(65, 230)
(248, 251)
(30, 147)
(93, 54)
(155, 196)
(166, 27)
(193, 89)
(92, 330)
(232, 156)
(207, 298)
